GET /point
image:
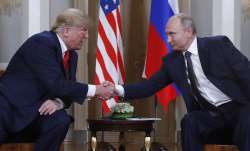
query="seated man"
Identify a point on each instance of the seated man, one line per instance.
(40, 81)
(214, 79)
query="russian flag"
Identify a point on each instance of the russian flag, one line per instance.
(161, 11)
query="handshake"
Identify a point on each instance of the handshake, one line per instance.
(106, 90)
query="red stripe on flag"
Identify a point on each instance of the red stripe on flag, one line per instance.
(104, 102)
(119, 20)
(97, 81)
(105, 107)
(102, 64)
(156, 50)
(112, 22)
(166, 95)
(121, 67)
(110, 50)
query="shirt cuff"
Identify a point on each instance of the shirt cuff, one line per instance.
(60, 103)
(91, 90)
(120, 90)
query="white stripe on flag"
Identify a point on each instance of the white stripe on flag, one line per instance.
(174, 5)
(108, 30)
(99, 72)
(107, 61)
(114, 42)
(111, 103)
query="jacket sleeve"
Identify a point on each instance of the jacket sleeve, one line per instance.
(41, 57)
(239, 64)
(148, 87)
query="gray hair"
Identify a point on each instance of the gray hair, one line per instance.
(186, 21)
(71, 17)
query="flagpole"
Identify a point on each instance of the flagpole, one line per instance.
(102, 118)
(155, 115)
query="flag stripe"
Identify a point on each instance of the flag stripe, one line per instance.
(102, 67)
(122, 70)
(109, 64)
(107, 45)
(111, 20)
(154, 43)
(107, 28)
(159, 21)
(158, 47)
(119, 19)
(109, 53)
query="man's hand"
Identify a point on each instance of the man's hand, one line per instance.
(107, 83)
(117, 93)
(105, 90)
(49, 107)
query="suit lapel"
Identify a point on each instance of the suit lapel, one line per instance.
(180, 67)
(73, 65)
(60, 57)
(203, 55)
(58, 47)
(58, 50)
(73, 59)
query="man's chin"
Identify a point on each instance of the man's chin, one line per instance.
(78, 48)
(176, 50)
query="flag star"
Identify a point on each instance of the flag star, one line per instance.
(114, 1)
(106, 6)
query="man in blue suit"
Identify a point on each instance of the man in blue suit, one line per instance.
(40, 81)
(214, 79)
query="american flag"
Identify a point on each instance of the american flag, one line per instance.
(109, 53)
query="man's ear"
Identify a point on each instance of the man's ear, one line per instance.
(65, 32)
(189, 31)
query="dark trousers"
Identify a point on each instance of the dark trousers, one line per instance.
(231, 120)
(48, 132)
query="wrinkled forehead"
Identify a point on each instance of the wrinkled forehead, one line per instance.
(173, 24)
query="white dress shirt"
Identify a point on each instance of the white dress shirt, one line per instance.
(91, 88)
(206, 88)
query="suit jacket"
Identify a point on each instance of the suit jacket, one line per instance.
(36, 73)
(222, 63)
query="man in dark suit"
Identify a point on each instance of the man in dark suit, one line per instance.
(214, 80)
(40, 81)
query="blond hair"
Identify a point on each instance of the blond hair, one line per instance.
(71, 17)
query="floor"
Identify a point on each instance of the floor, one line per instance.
(68, 146)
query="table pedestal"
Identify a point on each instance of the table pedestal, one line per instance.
(120, 126)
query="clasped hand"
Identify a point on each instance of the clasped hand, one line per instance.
(105, 90)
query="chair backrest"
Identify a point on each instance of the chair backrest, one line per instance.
(1, 72)
(217, 147)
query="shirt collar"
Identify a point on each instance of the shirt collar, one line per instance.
(62, 44)
(193, 48)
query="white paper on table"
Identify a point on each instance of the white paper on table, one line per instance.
(143, 118)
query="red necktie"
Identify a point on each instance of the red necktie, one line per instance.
(66, 58)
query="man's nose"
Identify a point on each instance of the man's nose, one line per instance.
(169, 39)
(86, 35)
